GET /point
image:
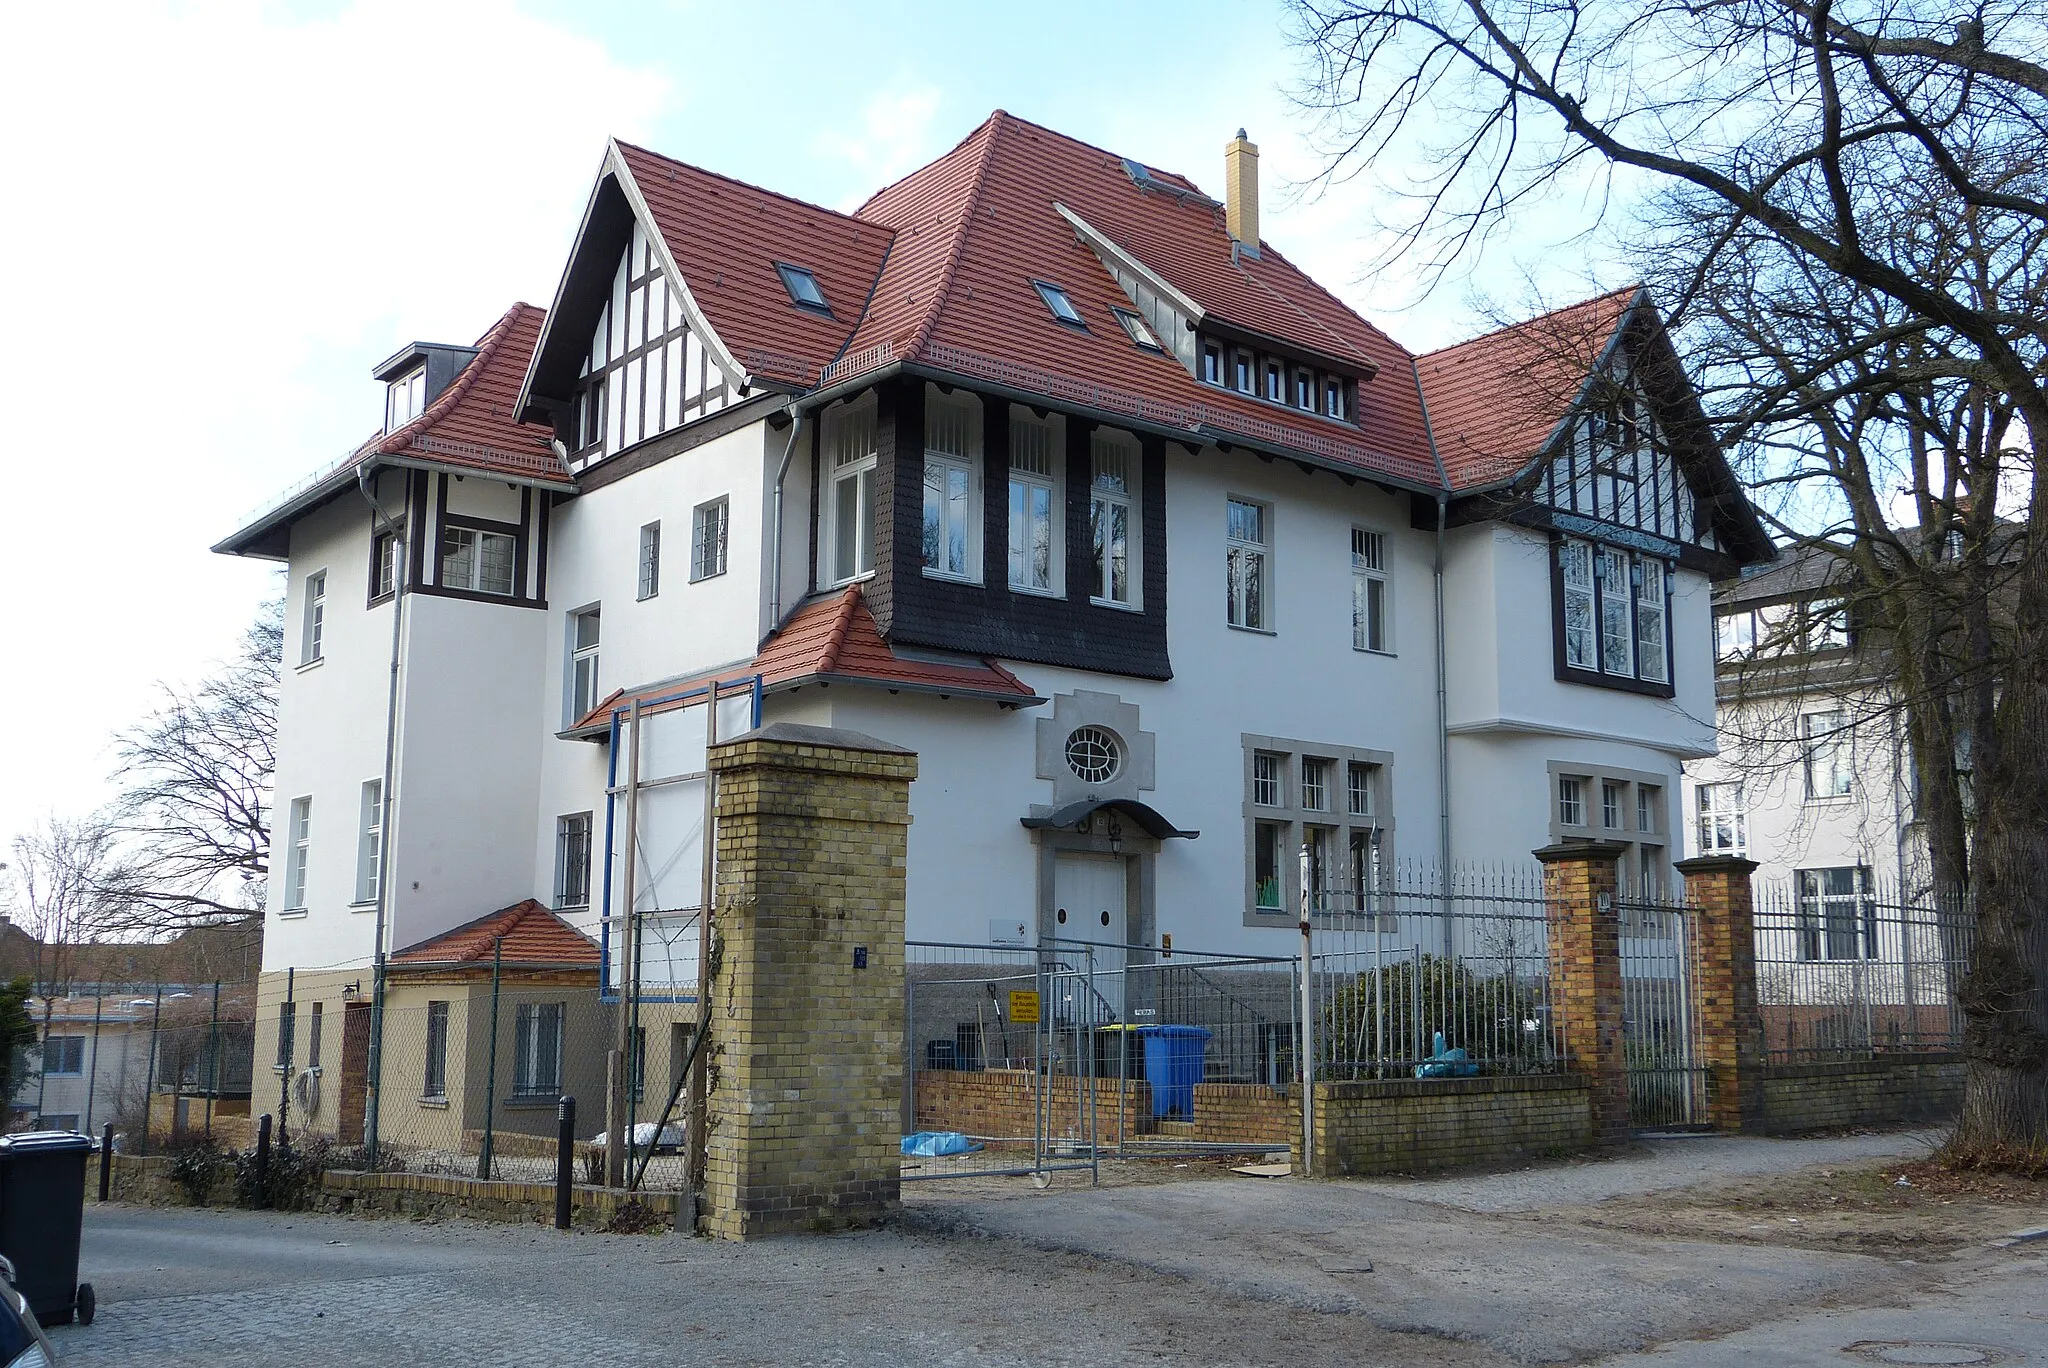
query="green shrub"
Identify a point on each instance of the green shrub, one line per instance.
(196, 1167)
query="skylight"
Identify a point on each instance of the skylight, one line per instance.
(1135, 326)
(803, 288)
(1062, 307)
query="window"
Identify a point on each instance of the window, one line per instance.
(405, 399)
(1241, 372)
(803, 288)
(384, 551)
(313, 618)
(63, 1054)
(1094, 754)
(299, 832)
(1305, 389)
(952, 470)
(1333, 398)
(1650, 662)
(1617, 655)
(1724, 820)
(650, 561)
(1060, 304)
(1837, 917)
(708, 524)
(1315, 784)
(572, 860)
(849, 521)
(1610, 805)
(1825, 743)
(370, 841)
(1576, 560)
(583, 654)
(1245, 574)
(537, 1050)
(1613, 613)
(1276, 383)
(1140, 333)
(287, 1027)
(1266, 778)
(1734, 635)
(1649, 801)
(1368, 590)
(435, 1085)
(476, 560)
(1828, 628)
(1212, 363)
(590, 414)
(1267, 841)
(1112, 518)
(1571, 801)
(1037, 521)
(1323, 892)
(313, 1038)
(1359, 781)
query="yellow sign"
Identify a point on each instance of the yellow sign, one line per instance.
(1024, 1006)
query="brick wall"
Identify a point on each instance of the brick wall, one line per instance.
(1416, 1125)
(1246, 1113)
(1860, 1092)
(1000, 1105)
(1579, 884)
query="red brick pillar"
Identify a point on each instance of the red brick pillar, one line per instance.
(1579, 884)
(1722, 966)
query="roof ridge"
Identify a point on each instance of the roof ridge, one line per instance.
(471, 924)
(465, 380)
(758, 189)
(1105, 151)
(929, 163)
(842, 624)
(942, 292)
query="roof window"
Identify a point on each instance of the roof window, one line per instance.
(405, 398)
(803, 288)
(1135, 326)
(1062, 307)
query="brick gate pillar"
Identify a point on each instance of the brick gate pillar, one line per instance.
(1579, 884)
(806, 1038)
(1722, 967)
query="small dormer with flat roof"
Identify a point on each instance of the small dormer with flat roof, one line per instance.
(414, 376)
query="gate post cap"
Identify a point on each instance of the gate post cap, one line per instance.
(1580, 850)
(1715, 864)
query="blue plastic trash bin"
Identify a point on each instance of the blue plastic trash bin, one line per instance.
(1173, 1065)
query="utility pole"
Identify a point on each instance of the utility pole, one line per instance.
(483, 1159)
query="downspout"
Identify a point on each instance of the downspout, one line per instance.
(387, 799)
(1443, 701)
(796, 426)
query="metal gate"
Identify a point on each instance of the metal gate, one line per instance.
(1660, 1036)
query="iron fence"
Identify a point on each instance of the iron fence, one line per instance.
(1667, 1076)
(1848, 968)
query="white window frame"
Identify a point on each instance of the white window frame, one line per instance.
(1576, 559)
(1821, 928)
(1029, 483)
(650, 561)
(1248, 564)
(405, 398)
(1571, 801)
(472, 565)
(584, 658)
(1103, 501)
(1825, 737)
(370, 842)
(952, 508)
(298, 851)
(1631, 809)
(710, 534)
(1372, 596)
(1613, 804)
(1723, 817)
(313, 620)
(847, 454)
(1652, 606)
(386, 549)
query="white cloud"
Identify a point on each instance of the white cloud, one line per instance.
(218, 218)
(891, 137)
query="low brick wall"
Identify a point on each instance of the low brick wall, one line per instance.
(1884, 1090)
(1000, 1104)
(1427, 1124)
(430, 1194)
(1246, 1113)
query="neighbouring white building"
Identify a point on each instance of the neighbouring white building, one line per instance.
(1041, 464)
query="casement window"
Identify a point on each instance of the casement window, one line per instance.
(1649, 806)
(537, 1050)
(63, 1055)
(299, 835)
(1837, 918)
(1140, 332)
(1060, 304)
(479, 561)
(1248, 582)
(1241, 370)
(1571, 801)
(803, 288)
(708, 524)
(1369, 591)
(1734, 635)
(1610, 805)
(1322, 804)
(1276, 383)
(848, 523)
(370, 841)
(405, 399)
(1826, 748)
(1037, 510)
(572, 860)
(384, 553)
(1212, 363)
(1305, 389)
(1113, 519)
(1774, 629)
(583, 661)
(650, 561)
(434, 1087)
(313, 619)
(313, 1034)
(1624, 806)
(1827, 627)
(590, 414)
(1723, 818)
(1333, 400)
(952, 486)
(1614, 619)
(287, 1027)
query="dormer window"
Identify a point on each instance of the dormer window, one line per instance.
(1333, 399)
(1135, 326)
(1212, 363)
(405, 398)
(1061, 305)
(803, 288)
(1276, 389)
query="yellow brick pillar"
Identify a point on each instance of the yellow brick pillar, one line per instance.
(806, 1040)
(1726, 1021)
(1579, 884)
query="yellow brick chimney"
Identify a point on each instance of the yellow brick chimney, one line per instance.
(1241, 193)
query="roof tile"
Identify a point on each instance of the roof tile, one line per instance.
(532, 935)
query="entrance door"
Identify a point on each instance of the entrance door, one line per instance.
(1088, 902)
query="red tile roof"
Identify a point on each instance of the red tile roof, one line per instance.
(471, 424)
(1495, 400)
(533, 936)
(833, 638)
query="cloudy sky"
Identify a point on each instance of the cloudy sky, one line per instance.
(218, 216)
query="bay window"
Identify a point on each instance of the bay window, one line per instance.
(1613, 615)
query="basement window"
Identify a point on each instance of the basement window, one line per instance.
(1062, 307)
(803, 288)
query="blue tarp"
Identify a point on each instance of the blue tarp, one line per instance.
(937, 1144)
(1446, 1063)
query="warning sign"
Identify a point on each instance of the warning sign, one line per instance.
(1024, 1006)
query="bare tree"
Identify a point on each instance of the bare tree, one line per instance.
(57, 893)
(1845, 207)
